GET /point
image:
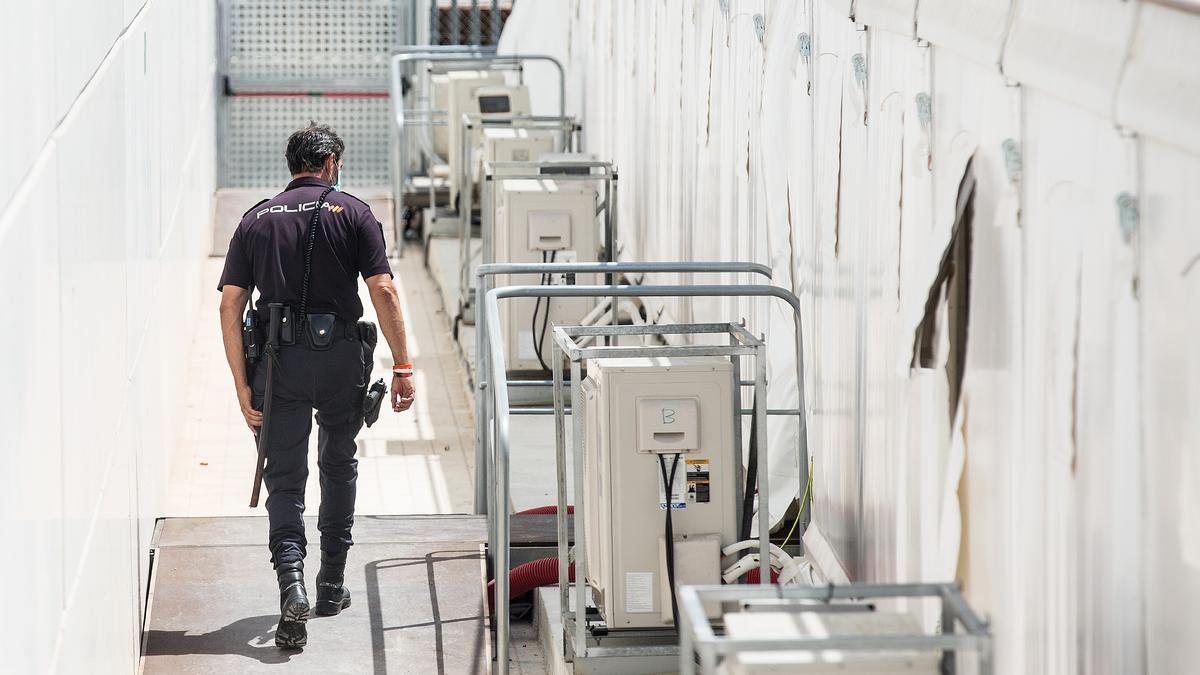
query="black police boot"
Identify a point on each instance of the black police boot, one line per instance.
(332, 594)
(293, 606)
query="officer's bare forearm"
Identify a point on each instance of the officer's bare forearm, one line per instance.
(391, 320)
(233, 303)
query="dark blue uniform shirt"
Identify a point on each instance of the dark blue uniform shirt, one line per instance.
(267, 250)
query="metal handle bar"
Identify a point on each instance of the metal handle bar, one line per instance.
(474, 57)
(492, 269)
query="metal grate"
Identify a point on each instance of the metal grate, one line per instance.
(285, 62)
(344, 44)
(255, 129)
(468, 22)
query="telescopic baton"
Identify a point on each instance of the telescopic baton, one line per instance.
(276, 314)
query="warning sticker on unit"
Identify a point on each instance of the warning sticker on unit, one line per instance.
(525, 348)
(639, 592)
(698, 482)
(678, 489)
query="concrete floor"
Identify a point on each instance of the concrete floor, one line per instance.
(415, 582)
(533, 470)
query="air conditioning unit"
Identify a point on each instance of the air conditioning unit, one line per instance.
(513, 144)
(460, 84)
(540, 220)
(642, 415)
(486, 99)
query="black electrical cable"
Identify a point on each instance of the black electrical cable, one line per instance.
(751, 476)
(670, 531)
(311, 242)
(537, 306)
(546, 316)
(539, 337)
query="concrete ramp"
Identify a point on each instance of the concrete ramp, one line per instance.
(416, 584)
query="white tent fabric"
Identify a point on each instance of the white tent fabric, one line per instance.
(1059, 486)
(1074, 48)
(1159, 93)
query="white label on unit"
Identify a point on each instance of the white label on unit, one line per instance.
(639, 592)
(678, 485)
(525, 348)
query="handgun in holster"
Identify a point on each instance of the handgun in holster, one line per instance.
(368, 335)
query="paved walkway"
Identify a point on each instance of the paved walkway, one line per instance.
(417, 602)
(415, 462)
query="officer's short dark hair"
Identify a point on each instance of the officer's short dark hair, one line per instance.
(308, 148)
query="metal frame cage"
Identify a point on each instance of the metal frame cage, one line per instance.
(741, 343)
(699, 638)
(492, 403)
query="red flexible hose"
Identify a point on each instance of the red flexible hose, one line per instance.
(531, 575)
(753, 575)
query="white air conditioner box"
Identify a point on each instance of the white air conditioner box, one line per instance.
(540, 220)
(456, 83)
(486, 99)
(637, 410)
(514, 144)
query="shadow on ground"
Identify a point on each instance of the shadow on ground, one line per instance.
(253, 638)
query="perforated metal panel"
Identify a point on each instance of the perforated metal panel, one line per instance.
(336, 45)
(274, 50)
(254, 131)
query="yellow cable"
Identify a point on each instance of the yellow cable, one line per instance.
(796, 522)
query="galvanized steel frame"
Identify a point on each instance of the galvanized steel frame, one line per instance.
(494, 409)
(742, 343)
(697, 634)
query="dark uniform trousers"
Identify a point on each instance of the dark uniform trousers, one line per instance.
(332, 381)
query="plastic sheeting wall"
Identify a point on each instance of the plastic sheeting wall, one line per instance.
(1058, 482)
(104, 217)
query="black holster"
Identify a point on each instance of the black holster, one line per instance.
(373, 395)
(253, 337)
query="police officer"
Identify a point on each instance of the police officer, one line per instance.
(323, 360)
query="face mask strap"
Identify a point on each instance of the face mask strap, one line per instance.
(337, 184)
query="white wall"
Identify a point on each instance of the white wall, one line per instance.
(1061, 489)
(104, 217)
